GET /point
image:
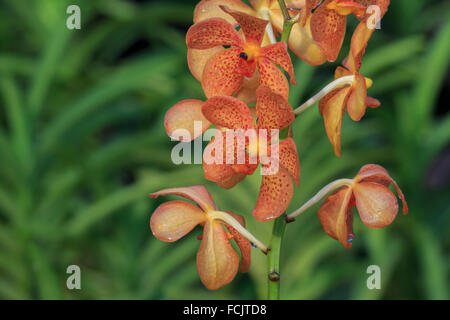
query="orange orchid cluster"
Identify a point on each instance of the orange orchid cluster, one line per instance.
(234, 53)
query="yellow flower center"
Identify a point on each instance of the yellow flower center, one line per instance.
(257, 146)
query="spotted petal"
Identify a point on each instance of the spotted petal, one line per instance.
(289, 159)
(174, 219)
(222, 74)
(252, 27)
(274, 196)
(328, 30)
(272, 110)
(278, 54)
(272, 77)
(228, 112)
(211, 33)
(217, 262)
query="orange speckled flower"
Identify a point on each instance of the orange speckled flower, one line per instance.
(328, 24)
(352, 98)
(264, 9)
(272, 112)
(376, 204)
(217, 261)
(224, 72)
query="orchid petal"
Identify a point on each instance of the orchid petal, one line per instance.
(376, 204)
(257, 4)
(289, 159)
(376, 173)
(272, 110)
(272, 77)
(332, 108)
(234, 180)
(253, 28)
(372, 102)
(217, 262)
(222, 73)
(206, 9)
(244, 245)
(306, 12)
(381, 4)
(341, 72)
(197, 193)
(300, 40)
(228, 112)
(356, 106)
(211, 33)
(274, 196)
(336, 216)
(278, 54)
(358, 45)
(247, 94)
(174, 219)
(197, 59)
(182, 116)
(328, 30)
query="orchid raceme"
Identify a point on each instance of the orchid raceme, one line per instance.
(233, 52)
(225, 71)
(217, 262)
(368, 192)
(273, 112)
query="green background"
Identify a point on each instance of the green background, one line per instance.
(82, 143)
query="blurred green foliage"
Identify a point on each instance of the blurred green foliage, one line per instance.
(82, 143)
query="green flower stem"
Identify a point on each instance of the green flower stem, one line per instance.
(279, 226)
(288, 21)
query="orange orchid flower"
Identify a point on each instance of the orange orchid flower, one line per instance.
(369, 193)
(328, 24)
(225, 71)
(300, 42)
(217, 261)
(352, 98)
(272, 112)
